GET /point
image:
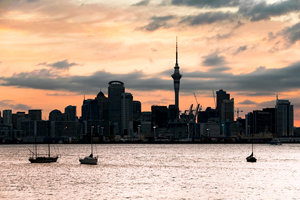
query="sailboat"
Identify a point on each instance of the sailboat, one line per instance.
(42, 158)
(89, 160)
(251, 158)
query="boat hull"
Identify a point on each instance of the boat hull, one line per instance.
(43, 159)
(251, 159)
(89, 161)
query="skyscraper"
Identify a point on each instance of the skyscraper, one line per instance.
(115, 91)
(176, 77)
(284, 115)
(35, 115)
(70, 113)
(7, 117)
(221, 96)
(127, 114)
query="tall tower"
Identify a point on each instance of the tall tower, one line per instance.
(176, 77)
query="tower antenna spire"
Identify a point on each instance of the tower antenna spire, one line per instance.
(176, 51)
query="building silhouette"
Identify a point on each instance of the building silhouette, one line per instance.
(127, 114)
(7, 117)
(284, 114)
(35, 114)
(70, 113)
(115, 91)
(176, 77)
(55, 115)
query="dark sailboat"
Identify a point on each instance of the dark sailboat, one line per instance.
(251, 158)
(42, 158)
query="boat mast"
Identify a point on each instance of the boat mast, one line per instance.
(92, 139)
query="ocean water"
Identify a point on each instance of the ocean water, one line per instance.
(153, 171)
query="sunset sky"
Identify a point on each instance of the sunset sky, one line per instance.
(53, 52)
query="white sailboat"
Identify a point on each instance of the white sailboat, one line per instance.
(90, 160)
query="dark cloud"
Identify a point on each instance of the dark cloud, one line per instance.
(261, 82)
(142, 3)
(208, 18)
(239, 24)
(60, 65)
(158, 22)
(240, 49)
(9, 104)
(215, 62)
(292, 34)
(206, 3)
(247, 102)
(263, 11)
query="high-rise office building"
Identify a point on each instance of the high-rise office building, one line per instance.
(70, 113)
(127, 114)
(258, 122)
(35, 115)
(90, 110)
(137, 109)
(115, 91)
(284, 114)
(55, 115)
(103, 106)
(221, 96)
(7, 117)
(176, 77)
(227, 112)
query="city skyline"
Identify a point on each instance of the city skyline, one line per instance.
(53, 53)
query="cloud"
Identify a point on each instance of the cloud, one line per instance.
(292, 34)
(263, 11)
(142, 3)
(157, 23)
(247, 102)
(9, 104)
(240, 49)
(60, 65)
(215, 62)
(206, 3)
(208, 18)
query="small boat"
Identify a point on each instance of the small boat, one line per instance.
(251, 158)
(42, 158)
(275, 141)
(89, 160)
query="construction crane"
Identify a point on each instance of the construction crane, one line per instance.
(238, 111)
(200, 108)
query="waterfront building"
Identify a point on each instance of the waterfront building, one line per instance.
(137, 109)
(258, 122)
(70, 113)
(159, 118)
(127, 114)
(227, 110)
(115, 91)
(284, 114)
(7, 117)
(16, 118)
(56, 115)
(35, 115)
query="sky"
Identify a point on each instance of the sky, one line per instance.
(55, 53)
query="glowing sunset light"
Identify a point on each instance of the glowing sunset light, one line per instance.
(54, 52)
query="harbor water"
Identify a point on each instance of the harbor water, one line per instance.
(153, 171)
